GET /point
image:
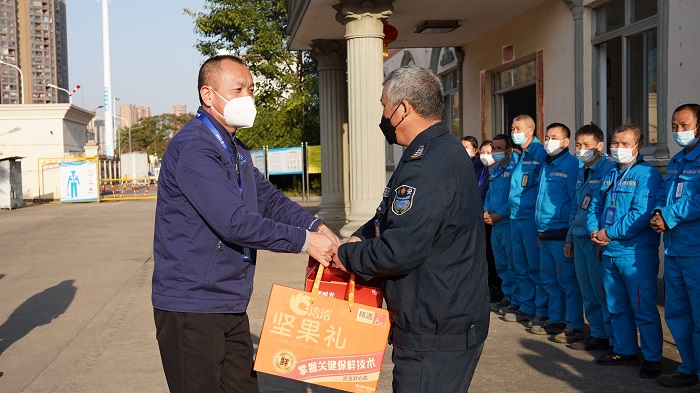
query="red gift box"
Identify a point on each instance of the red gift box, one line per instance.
(334, 283)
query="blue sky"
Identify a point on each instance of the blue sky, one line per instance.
(153, 59)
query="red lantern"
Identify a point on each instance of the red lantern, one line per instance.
(390, 35)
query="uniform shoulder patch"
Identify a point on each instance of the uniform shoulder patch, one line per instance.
(420, 151)
(403, 199)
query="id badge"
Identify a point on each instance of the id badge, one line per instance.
(524, 183)
(610, 216)
(586, 201)
(245, 255)
(679, 189)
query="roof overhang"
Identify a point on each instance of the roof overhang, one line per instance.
(316, 19)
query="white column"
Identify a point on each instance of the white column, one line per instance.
(364, 35)
(331, 56)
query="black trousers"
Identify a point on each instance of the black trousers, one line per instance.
(206, 353)
(434, 371)
(494, 279)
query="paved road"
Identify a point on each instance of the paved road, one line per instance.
(76, 317)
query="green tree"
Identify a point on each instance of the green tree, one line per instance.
(152, 134)
(287, 97)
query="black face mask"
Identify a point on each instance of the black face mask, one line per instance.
(388, 129)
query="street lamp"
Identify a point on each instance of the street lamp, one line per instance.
(21, 77)
(70, 97)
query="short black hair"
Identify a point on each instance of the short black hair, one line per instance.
(630, 127)
(566, 129)
(471, 140)
(485, 143)
(591, 129)
(695, 108)
(210, 67)
(505, 138)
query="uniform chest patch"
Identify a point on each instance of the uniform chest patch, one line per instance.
(403, 199)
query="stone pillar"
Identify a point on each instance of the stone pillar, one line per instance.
(364, 32)
(331, 56)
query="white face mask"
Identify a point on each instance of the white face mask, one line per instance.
(239, 112)
(623, 155)
(553, 147)
(487, 159)
(469, 152)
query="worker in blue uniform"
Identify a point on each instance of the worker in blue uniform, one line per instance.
(497, 214)
(589, 150)
(618, 221)
(677, 216)
(555, 199)
(524, 182)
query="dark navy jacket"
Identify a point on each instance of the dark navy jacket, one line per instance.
(431, 253)
(202, 223)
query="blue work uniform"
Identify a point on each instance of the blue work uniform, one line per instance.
(623, 206)
(524, 181)
(678, 201)
(587, 264)
(496, 202)
(555, 199)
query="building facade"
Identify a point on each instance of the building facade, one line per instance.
(569, 61)
(179, 110)
(42, 135)
(33, 37)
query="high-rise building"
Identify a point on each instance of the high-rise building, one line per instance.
(33, 37)
(128, 112)
(143, 111)
(179, 110)
(132, 113)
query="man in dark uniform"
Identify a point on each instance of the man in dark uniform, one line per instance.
(430, 250)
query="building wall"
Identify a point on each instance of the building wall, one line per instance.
(548, 28)
(42, 131)
(683, 59)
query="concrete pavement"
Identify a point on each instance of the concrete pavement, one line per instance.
(75, 314)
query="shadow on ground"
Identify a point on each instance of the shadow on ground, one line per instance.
(38, 310)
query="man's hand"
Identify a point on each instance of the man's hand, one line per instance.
(658, 223)
(495, 218)
(569, 250)
(321, 248)
(487, 218)
(336, 259)
(600, 237)
(324, 230)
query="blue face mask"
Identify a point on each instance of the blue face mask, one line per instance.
(519, 138)
(685, 138)
(498, 156)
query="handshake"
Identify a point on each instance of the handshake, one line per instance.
(323, 246)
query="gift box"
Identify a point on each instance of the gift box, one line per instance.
(334, 283)
(322, 340)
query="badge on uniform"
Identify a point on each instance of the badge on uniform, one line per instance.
(586, 201)
(403, 199)
(524, 183)
(609, 216)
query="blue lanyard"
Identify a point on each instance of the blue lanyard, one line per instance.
(615, 180)
(201, 116)
(481, 178)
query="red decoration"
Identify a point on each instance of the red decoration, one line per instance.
(390, 35)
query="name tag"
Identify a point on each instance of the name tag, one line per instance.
(524, 183)
(610, 216)
(586, 201)
(679, 189)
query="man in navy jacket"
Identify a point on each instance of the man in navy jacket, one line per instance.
(214, 210)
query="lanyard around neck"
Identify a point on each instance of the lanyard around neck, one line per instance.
(201, 116)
